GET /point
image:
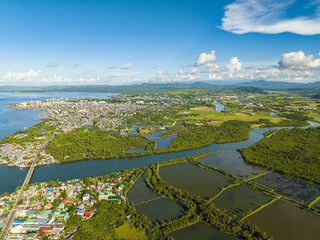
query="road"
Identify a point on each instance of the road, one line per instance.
(13, 213)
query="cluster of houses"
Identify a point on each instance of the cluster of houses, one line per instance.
(22, 156)
(74, 113)
(46, 207)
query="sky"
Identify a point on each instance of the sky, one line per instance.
(115, 42)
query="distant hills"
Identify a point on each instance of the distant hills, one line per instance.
(280, 85)
(261, 84)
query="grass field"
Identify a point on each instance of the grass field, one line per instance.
(125, 231)
(315, 116)
(203, 109)
(219, 117)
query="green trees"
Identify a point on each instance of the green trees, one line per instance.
(78, 145)
(292, 151)
(201, 136)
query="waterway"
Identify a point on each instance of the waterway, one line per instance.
(10, 177)
(13, 120)
(89, 168)
(219, 106)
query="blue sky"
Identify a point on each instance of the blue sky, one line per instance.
(124, 42)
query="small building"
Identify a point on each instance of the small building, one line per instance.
(113, 197)
(46, 229)
(103, 196)
(81, 212)
(85, 197)
(88, 214)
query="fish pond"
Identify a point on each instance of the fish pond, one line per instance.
(290, 187)
(284, 221)
(200, 231)
(231, 162)
(164, 142)
(140, 192)
(240, 200)
(160, 210)
(196, 180)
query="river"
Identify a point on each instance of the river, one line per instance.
(10, 177)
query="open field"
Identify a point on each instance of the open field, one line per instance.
(315, 116)
(225, 116)
(203, 109)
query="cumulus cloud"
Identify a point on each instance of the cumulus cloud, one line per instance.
(181, 72)
(17, 76)
(299, 61)
(53, 64)
(211, 67)
(193, 71)
(112, 66)
(127, 66)
(214, 77)
(234, 65)
(266, 16)
(204, 58)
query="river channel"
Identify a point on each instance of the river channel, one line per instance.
(10, 177)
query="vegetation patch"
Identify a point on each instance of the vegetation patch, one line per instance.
(292, 151)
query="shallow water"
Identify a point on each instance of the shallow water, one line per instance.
(160, 210)
(140, 192)
(240, 200)
(219, 106)
(283, 221)
(232, 162)
(290, 187)
(164, 142)
(196, 180)
(200, 231)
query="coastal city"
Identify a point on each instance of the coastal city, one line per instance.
(160, 120)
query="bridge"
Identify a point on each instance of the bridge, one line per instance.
(14, 211)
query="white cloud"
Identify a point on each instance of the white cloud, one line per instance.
(211, 67)
(181, 72)
(234, 65)
(299, 61)
(204, 58)
(266, 16)
(127, 66)
(193, 71)
(33, 77)
(76, 65)
(17, 76)
(53, 64)
(112, 66)
(214, 77)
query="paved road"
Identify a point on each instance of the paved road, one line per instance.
(13, 213)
